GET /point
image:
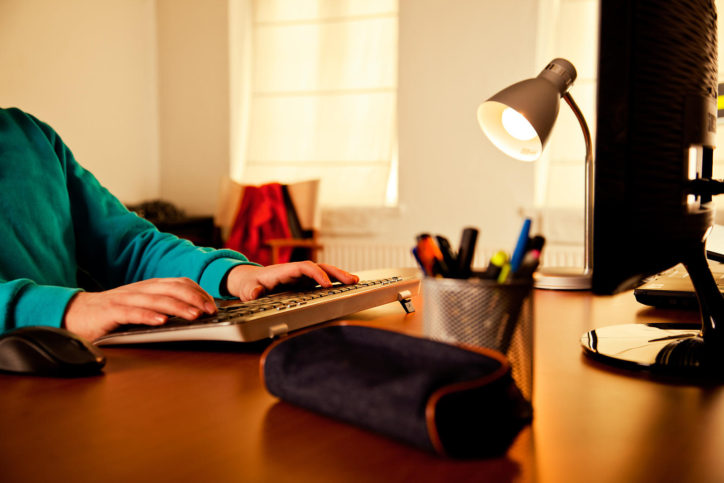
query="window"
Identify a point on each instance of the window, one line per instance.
(571, 33)
(321, 99)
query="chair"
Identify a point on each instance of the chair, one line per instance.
(302, 203)
(301, 200)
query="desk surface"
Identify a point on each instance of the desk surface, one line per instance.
(199, 413)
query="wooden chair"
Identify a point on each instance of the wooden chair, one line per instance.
(305, 219)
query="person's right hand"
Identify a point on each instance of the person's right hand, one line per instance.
(94, 314)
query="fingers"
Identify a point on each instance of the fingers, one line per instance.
(322, 273)
(291, 272)
(150, 302)
(159, 304)
(120, 314)
(92, 315)
(254, 293)
(173, 294)
(339, 274)
(249, 282)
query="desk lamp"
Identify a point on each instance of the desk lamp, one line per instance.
(518, 120)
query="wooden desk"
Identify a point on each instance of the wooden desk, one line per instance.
(199, 413)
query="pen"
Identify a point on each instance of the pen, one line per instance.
(466, 252)
(495, 265)
(430, 256)
(531, 259)
(520, 246)
(535, 243)
(504, 273)
(447, 255)
(528, 266)
(421, 237)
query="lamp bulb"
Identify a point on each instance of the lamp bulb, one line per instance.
(517, 125)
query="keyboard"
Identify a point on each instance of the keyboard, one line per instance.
(673, 288)
(275, 314)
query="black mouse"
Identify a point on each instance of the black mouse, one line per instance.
(48, 351)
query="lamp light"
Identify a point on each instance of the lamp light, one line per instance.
(518, 120)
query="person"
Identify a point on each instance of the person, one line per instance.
(60, 226)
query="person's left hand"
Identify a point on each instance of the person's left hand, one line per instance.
(249, 282)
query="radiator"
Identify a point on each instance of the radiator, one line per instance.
(355, 255)
(362, 255)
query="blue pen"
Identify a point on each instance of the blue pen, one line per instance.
(517, 258)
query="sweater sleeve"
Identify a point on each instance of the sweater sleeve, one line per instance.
(26, 303)
(117, 247)
(111, 245)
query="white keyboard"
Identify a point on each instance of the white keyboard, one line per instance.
(274, 315)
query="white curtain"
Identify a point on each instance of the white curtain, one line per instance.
(568, 29)
(316, 96)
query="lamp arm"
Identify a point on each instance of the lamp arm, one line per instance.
(588, 208)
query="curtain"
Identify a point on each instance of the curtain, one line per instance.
(318, 98)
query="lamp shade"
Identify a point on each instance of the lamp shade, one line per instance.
(518, 119)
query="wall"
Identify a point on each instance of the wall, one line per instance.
(140, 90)
(194, 101)
(88, 68)
(171, 114)
(91, 70)
(452, 58)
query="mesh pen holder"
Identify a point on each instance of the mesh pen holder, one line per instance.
(484, 313)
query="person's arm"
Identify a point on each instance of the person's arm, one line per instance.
(156, 273)
(92, 315)
(116, 247)
(143, 275)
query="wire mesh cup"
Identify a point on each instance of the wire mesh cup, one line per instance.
(484, 313)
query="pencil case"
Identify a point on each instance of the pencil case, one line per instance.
(452, 400)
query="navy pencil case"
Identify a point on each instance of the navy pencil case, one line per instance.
(452, 400)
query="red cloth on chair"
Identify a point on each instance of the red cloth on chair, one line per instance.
(262, 216)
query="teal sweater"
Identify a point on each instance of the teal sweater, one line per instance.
(57, 221)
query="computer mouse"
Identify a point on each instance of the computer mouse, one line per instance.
(48, 351)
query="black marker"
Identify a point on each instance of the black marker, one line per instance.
(466, 252)
(448, 256)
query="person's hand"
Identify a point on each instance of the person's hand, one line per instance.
(94, 314)
(249, 281)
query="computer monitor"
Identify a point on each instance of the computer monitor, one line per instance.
(656, 124)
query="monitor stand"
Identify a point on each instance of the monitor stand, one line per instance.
(668, 349)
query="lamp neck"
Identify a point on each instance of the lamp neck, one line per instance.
(588, 210)
(560, 73)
